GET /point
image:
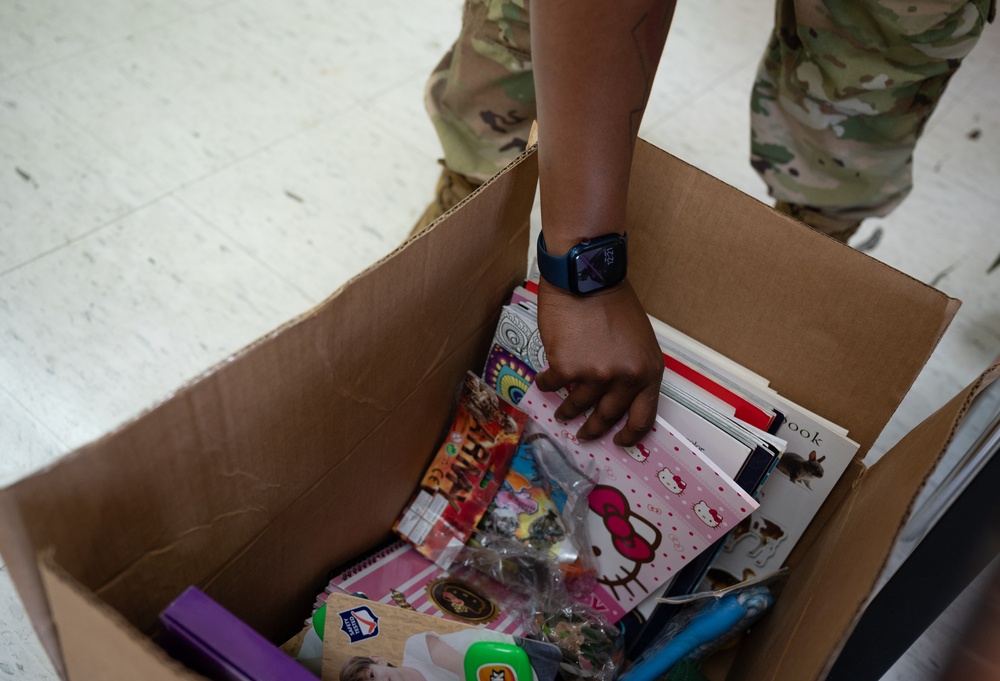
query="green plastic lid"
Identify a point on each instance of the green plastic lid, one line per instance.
(319, 620)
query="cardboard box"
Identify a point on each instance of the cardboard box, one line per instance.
(300, 452)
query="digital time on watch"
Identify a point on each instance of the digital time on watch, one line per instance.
(592, 265)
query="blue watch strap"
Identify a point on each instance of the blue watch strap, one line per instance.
(555, 269)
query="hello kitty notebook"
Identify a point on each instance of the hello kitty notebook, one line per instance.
(655, 507)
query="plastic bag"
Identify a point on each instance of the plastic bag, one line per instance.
(541, 501)
(552, 565)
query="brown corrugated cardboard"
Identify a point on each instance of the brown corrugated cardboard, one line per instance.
(298, 453)
(835, 577)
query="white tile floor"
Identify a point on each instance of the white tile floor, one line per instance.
(178, 177)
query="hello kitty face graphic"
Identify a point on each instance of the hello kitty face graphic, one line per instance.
(622, 541)
(639, 453)
(672, 482)
(708, 515)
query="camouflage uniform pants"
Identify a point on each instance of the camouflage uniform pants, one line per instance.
(841, 97)
(481, 97)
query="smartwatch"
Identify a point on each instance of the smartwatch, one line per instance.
(590, 266)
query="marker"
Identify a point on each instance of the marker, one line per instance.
(493, 661)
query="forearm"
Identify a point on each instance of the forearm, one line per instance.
(593, 62)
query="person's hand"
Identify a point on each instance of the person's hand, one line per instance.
(603, 347)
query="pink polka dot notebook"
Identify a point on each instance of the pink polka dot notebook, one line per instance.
(655, 507)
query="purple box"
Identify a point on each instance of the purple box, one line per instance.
(215, 643)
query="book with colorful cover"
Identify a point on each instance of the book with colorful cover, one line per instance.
(507, 373)
(377, 640)
(655, 508)
(464, 475)
(652, 616)
(517, 331)
(398, 575)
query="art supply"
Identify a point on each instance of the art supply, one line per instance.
(495, 661)
(212, 641)
(708, 629)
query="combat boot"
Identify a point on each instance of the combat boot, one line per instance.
(841, 230)
(451, 189)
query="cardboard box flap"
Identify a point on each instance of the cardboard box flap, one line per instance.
(92, 635)
(251, 459)
(816, 613)
(840, 333)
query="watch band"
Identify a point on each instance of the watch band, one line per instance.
(555, 269)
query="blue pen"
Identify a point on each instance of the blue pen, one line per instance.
(715, 621)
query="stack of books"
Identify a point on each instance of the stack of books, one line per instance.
(720, 492)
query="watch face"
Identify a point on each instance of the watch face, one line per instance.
(600, 265)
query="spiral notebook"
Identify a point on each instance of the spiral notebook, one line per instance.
(398, 575)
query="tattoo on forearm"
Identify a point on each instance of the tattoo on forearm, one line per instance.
(648, 36)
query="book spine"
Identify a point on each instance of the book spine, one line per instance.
(746, 411)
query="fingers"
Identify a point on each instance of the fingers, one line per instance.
(603, 350)
(549, 380)
(582, 397)
(607, 403)
(607, 412)
(641, 417)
